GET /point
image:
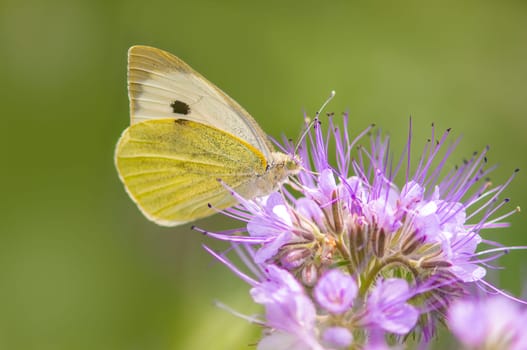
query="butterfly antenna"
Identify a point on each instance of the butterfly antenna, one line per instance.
(331, 95)
(309, 123)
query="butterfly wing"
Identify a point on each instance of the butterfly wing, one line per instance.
(171, 168)
(160, 85)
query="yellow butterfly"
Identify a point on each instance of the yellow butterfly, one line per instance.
(185, 135)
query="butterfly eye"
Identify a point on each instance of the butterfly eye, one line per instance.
(291, 165)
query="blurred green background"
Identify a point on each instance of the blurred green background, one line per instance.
(80, 268)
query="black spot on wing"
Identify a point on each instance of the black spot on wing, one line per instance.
(180, 107)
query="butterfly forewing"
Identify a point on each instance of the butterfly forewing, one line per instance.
(171, 168)
(160, 85)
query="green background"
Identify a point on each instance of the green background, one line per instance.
(80, 268)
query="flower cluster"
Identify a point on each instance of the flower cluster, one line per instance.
(344, 258)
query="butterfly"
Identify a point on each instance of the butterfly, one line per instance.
(188, 142)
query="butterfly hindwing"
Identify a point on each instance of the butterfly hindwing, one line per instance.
(171, 168)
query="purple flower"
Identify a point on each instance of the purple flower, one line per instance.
(288, 310)
(335, 291)
(275, 223)
(388, 309)
(377, 341)
(491, 323)
(325, 249)
(337, 337)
